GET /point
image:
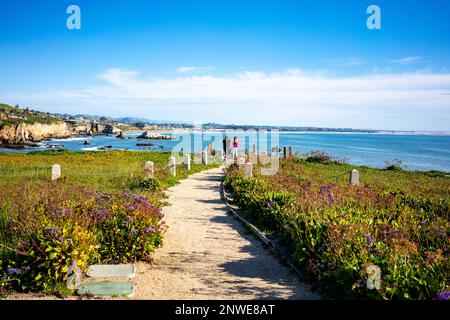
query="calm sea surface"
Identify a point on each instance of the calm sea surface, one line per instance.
(417, 152)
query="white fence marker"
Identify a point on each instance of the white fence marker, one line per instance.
(56, 171)
(253, 158)
(172, 166)
(205, 158)
(187, 161)
(148, 168)
(354, 177)
(263, 157)
(249, 170)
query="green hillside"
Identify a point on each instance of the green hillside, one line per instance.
(13, 115)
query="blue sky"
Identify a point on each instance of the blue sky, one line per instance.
(305, 63)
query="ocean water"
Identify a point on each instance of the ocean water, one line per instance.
(416, 152)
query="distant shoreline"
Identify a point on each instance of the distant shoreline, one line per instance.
(381, 132)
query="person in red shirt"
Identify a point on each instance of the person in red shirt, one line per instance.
(235, 148)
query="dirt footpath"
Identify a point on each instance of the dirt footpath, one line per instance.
(207, 254)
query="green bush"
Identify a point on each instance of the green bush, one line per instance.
(320, 157)
(337, 231)
(42, 259)
(56, 225)
(132, 230)
(150, 183)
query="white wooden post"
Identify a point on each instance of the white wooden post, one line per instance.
(253, 158)
(172, 166)
(249, 170)
(56, 171)
(187, 161)
(354, 177)
(148, 168)
(263, 157)
(198, 158)
(205, 158)
(209, 150)
(220, 154)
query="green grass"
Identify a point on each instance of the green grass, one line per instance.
(395, 219)
(99, 211)
(431, 184)
(110, 171)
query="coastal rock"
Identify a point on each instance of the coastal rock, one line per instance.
(154, 136)
(86, 142)
(24, 133)
(110, 129)
(146, 144)
(121, 135)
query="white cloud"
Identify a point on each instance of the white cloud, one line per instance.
(345, 62)
(291, 97)
(192, 69)
(406, 60)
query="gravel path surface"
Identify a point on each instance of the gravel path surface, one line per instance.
(207, 254)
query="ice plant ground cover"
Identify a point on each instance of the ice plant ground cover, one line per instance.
(396, 220)
(102, 210)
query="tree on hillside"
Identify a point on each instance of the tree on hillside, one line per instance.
(139, 124)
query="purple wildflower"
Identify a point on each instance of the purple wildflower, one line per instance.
(149, 230)
(130, 207)
(375, 250)
(101, 213)
(13, 271)
(50, 232)
(330, 266)
(360, 286)
(325, 188)
(369, 239)
(133, 230)
(330, 198)
(443, 295)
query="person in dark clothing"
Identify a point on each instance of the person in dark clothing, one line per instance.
(226, 147)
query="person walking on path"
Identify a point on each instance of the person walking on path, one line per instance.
(226, 147)
(235, 148)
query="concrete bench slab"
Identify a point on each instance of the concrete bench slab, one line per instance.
(106, 288)
(111, 271)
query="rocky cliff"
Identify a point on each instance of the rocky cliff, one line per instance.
(23, 133)
(95, 128)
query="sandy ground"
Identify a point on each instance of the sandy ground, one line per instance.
(207, 254)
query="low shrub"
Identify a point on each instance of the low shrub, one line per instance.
(42, 258)
(320, 157)
(336, 231)
(395, 165)
(56, 225)
(152, 184)
(130, 230)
